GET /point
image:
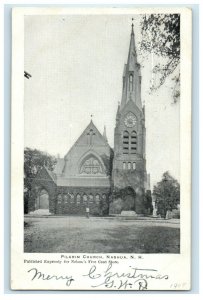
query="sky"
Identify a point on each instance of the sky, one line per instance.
(76, 63)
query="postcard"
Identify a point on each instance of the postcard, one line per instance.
(101, 149)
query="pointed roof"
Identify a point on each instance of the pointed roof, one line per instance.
(93, 127)
(132, 55)
(104, 133)
(124, 70)
(131, 106)
(44, 171)
(131, 76)
(83, 140)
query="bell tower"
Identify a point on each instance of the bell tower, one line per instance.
(129, 165)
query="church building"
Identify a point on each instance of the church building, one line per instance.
(92, 174)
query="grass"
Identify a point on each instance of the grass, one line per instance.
(100, 235)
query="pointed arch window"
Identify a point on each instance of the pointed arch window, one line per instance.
(90, 136)
(97, 198)
(65, 198)
(91, 166)
(131, 82)
(134, 165)
(78, 198)
(84, 198)
(71, 198)
(91, 198)
(125, 142)
(104, 197)
(133, 143)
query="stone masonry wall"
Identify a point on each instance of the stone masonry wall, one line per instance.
(74, 200)
(135, 180)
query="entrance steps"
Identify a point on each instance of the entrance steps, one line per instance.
(40, 212)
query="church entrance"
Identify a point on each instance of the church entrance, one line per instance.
(129, 199)
(42, 200)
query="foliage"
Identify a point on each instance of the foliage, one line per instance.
(34, 160)
(103, 207)
(167, 194)
(148, 201)
(108, 162)
(123, 193)
(127, 197)
(161, 36)
(122, 199)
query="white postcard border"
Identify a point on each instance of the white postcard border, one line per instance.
(177, 266)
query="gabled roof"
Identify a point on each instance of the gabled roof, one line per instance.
(82, 139)
(45, 173)
(131, 105)
(51, 174)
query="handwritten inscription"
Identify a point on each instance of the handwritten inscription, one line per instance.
(134, 278)
(37, 275)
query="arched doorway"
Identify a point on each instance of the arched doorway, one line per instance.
(42, 200)
(129, 198)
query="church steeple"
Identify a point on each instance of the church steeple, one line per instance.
(132, 55)
(132, 76)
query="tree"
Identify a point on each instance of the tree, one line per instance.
(122, 199)
(167, 194)
(148, 201)
(34, 160)
(161, 36)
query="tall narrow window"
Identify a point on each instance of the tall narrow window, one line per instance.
(133, 143)
(129, 165)
(84, 198)
(104, 197)
(134, 165)
(97, 198)
(131, 82)
(91, 198)
(78, 198)
(125, 142)
(124, 165)
(71, 198)
(65, 198)
(90, 136)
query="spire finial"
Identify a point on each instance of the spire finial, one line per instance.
(132, 25)
(104, 133)
(91, 116)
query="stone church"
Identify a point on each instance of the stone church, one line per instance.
(92, 174)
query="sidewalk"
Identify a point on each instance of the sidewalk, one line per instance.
(110, 217)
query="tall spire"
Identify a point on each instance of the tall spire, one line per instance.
(132, 55)
(132, 32)
(132, 76)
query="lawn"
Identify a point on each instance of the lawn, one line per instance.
(73, 234)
